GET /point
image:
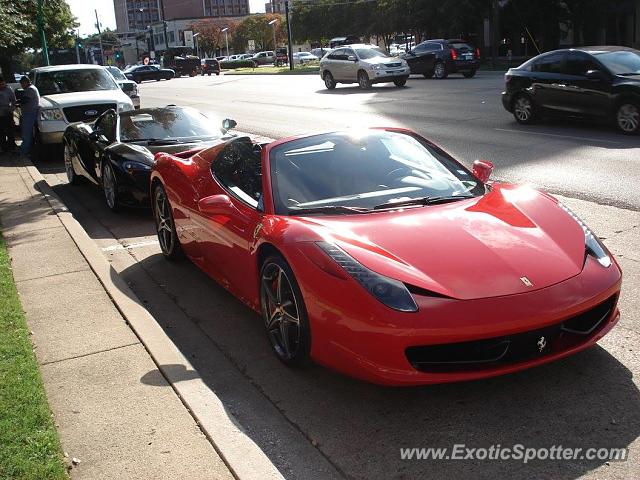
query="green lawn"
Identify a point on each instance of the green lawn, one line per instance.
(29, 444)
(298, 70)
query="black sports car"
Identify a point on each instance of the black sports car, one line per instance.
(116, 151)
(140, 73)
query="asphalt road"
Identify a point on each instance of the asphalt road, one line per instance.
(464, 116)
(316, 424)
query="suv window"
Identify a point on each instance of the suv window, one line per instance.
(339, 54)
(578, 63)
(239, 170)
(551, 63)
(427, 47)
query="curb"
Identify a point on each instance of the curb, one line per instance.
(243, 457)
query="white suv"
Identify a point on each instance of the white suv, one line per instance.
(74, 93)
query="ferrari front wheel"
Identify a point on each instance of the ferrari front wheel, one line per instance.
(165, 226)
(284, 313)
(110, 187)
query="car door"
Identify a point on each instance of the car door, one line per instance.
(90, 151)
(106, 132)
(586, 96)
(336, 65)
(229, 214)
(422, 58)
(548, 81)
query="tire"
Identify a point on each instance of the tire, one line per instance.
(428, 74)
(524, 109)
(469, 74)
(363, 80)
(110, 187)
(400, 82)
(72, 176)
(627, 117)
(329, 81)
(284, 313)
(440, 71)
(165, 226)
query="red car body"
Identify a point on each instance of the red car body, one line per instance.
(465, 264)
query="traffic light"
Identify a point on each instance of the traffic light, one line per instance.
(79, 43)
(118, 55)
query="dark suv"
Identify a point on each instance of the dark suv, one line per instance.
(209, 66)
(600, 83)
(439, 58)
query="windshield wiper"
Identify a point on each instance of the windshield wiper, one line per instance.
(434, 200)
(328, 209)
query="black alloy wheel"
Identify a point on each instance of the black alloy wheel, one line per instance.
(165, 226)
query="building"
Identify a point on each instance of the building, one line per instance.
(136, 15)
(275, 6)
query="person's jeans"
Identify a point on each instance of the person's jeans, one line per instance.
(7, 139)
(27, 123)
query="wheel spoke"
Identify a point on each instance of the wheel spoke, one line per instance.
(279, 287)
(267, 288)
(284, 336)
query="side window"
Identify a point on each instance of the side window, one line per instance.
(337, 54)
(579, 64)
(348, 52)
(106, 125)
(238, 168)
(551, 63)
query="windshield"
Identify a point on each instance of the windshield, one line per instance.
(367, 53)
(621, 62)
(117, 73)
(68, 81)
(363, 170)
(167, 124)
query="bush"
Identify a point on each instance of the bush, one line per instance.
(237, 64)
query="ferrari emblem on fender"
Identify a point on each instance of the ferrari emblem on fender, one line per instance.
(542, 343)
(526, 282)
(256, 231)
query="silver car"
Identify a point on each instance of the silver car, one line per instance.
(364, 64)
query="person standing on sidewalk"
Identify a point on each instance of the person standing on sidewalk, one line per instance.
(29, 106)
(7, 106)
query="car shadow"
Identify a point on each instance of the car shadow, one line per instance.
(588, 400)
(355, 89)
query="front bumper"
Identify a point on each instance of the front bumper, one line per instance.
(358, 336)
(389, 75)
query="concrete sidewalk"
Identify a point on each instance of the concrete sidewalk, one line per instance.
(115, 411)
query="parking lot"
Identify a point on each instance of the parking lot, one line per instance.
(314, 423)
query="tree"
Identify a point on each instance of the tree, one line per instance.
(257, 28)
(19, 28)
(211, 36)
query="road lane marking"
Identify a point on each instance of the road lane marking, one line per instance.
(585, 139)
(130, 246)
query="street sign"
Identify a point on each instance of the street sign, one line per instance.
(188, 38)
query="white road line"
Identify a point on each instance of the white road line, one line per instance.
(586, 139)
(119, 246)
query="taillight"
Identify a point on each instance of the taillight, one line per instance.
(454, 54)
(477, 53)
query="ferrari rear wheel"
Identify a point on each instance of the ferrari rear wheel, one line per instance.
(284, 313)
(110, 187)
(165, 226)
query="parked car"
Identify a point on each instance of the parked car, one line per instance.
(116, 151)
(364, 64)
(209, 66)
(300, 58)
(140, 73)
(439, 58)
(128, 86)
(379, 255)
(264, 58)
(595, 83)
(73, 93)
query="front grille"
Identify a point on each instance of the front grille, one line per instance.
(493, 352)
(83, 113)
(392, 65)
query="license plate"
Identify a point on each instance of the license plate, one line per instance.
(468, 56)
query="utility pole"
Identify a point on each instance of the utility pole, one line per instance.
(286, 12)
(77, 47)
(495, 30)
(164, 23)
(43, 37)
(100, 37)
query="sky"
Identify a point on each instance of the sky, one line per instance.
(84, 12)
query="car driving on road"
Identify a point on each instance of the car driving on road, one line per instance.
(140, 73)
(439, 58)
(597, 83)
(362, 64)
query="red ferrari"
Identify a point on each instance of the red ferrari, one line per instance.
(377, 254)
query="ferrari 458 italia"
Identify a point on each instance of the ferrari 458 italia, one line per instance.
(377, 254)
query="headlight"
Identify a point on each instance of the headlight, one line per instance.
(392, 293)
(592, 244)
(133, 167)
(377, 66)
(47, 114)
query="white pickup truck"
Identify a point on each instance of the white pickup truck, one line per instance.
(74, 93)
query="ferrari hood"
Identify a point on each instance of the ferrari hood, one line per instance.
(511, 240)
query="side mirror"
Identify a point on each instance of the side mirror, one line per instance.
(228, 124)
(215, 204)
(352, 58)
(482, 170)
(595, 75)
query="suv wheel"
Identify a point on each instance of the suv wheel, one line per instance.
(329, 82)
(628, 117)
(400, 82)
(440, 71)
(523, 109)
(363, 80)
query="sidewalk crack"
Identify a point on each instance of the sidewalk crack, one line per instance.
(90, 353)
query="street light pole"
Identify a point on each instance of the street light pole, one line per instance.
(100, 37)
(195, 39)
(226, 39)
(164, 23)
(273, 25)
(43, 37)
(286, 12)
